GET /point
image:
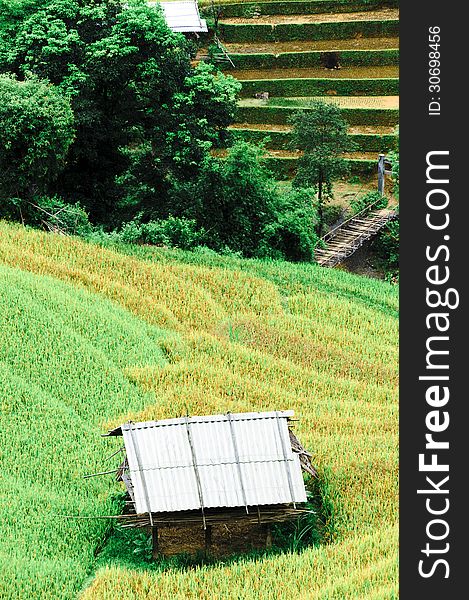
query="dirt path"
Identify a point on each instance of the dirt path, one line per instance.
(379, 102)
(351, 155)
(356, 129)
(221, 152)
(372, 130)
(389, 71)
(378, 43)
(385, 14)
(261, 127)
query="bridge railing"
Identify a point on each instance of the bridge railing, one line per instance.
(330, 234)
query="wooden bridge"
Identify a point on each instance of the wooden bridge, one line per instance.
(347, 237)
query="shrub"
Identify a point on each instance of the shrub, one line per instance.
(177, 232)
(375, 199)
(233, 199)
(292, 234)
(332, 213)
(36, 130)
(386, 247)
(49, 213)
(174, 231)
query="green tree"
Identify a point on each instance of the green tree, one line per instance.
(248, 198)
(291, 234)
(36, 131)
(142, 113)
(231, 198)
(176, 147)
(320, 132)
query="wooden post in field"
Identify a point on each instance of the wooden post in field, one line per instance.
(154, 539)
(381, 174)
(208, 539)
(268, 536)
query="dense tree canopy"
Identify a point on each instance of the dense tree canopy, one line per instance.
(108, 115)
(143, 115)
(36, 130)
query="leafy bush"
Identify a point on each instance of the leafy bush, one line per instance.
(386, 246)
(36, 130)
(291, 235)
(56, 215)
(332, 213)
(240, 211)
(49, 213)
(371, 198)
(173, 231)
(233, 199)
(177, 232)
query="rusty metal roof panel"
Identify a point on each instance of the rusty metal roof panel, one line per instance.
(214, 461)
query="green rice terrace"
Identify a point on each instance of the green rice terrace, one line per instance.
(93, 336)
(287, 53)
(98, 329)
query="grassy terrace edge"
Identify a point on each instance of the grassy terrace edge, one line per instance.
(280, 139)
(311, 59)
(280, 115)
(284, 167)
(292, 7)
(319, 87)
(289, 32)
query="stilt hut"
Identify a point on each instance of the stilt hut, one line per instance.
(213, 469)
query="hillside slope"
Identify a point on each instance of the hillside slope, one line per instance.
(288, 53)
(92, 336)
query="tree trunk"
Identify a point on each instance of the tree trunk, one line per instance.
(320, 207)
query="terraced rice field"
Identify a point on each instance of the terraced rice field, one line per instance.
(386, 14)
(387, 71)
(391, 102)
(283, 49)
(93, 336)
(358, 43)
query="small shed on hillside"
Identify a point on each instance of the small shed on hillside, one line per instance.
(183, 16)
(212, 469)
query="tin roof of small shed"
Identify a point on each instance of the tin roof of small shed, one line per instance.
(183, 16)
(226, 460)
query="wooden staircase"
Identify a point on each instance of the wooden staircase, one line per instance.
(345, 239)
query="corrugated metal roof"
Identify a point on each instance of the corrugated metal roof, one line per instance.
(183, 16)
(214, 461)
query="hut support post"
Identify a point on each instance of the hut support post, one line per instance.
(208, 539)
(268, 536)
(154, 539)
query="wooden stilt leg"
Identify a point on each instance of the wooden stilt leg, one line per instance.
(154, 539)
(268, 536)
(208, 539)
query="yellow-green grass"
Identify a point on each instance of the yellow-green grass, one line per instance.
(362, 567)
(63, 357)
(238, 335)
